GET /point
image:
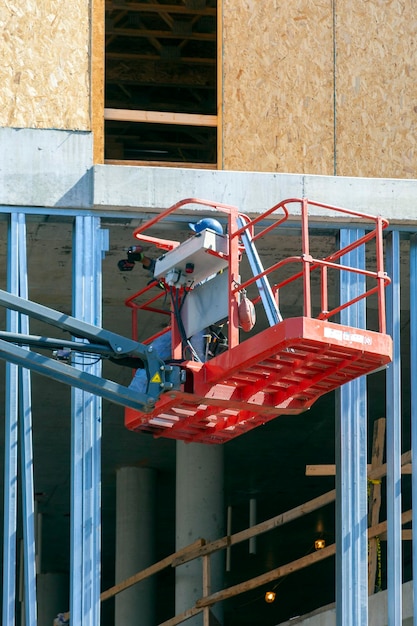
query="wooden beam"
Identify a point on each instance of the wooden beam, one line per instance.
(406, 535)
(97, 79)
(200, 166)
(160, 117)
(143, 7)
(157, 57)
(220, 85)
(330, 469)
(159, 34)
(374, 500)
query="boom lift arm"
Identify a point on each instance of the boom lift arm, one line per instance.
(98, 341)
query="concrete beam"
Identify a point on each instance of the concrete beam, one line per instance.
(45, 168)
(156, 188)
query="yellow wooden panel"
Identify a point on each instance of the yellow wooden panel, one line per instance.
(44, 69)
(278, 86)
(376, 88)
(97, 79)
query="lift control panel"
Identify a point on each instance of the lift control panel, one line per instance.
(195, 260)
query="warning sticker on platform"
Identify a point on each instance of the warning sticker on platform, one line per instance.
(344, 335)
(156, 378)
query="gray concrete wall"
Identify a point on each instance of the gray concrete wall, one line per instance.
(377, 611)
(45, 168)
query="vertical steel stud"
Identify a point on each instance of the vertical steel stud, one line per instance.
(86, 434)
(25, 419)
(413, 384)
(393, 437)
(11, 441)
(351, 461)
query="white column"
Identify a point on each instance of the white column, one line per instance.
(52, 595)
(199, 513)
(135, 522)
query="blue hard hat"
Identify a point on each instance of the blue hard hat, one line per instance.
(207, 222)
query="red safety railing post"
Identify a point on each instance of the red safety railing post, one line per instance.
(324, 290)
(306, 258)
(234, 278)
(381, 276)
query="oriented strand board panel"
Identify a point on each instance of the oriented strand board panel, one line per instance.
(44, 70)
(277, 97)
(376, 86)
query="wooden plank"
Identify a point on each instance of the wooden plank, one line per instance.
(321, 470)
(97, 79)
(159, 34)
(330, 469)
(220, 84)
(206, 588)
(160, 117)
(374, 500)
(143, 7)
(184, 60)
(406, 535)
(183, 164)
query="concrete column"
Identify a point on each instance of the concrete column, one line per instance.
(199, 513)
(135, 522)
(52, 596)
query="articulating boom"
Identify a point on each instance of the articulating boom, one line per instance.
(98, 342)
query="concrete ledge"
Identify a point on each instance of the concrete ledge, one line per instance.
(45, 168)
(156, 188)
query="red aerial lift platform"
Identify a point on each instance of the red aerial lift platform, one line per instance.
(282, 369)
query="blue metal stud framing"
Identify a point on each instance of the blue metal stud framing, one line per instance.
(413, 382)
(86, 433)
(25, 433)
(351, 462)
(18, 396)
(393, 436)
(351, 479)
(11, 441)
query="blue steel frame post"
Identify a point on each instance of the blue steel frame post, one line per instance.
(413, 383)
(28, 490)
(393, 436)
(86, 433)
(18, 393)
(351, 461)
(11, 441)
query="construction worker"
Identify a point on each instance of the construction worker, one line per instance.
(201, 345)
